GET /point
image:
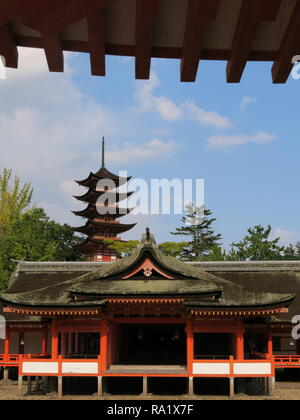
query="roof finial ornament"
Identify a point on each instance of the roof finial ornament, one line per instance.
(103, 152)
(148, 238)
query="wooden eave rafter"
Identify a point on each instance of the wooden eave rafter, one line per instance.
(9, 10)
(252, 13)
(8, 48)
(241, 313)
(139, 301)
(55, 15)
(146, 11)
(51, 18)
(52, 312)
(290, 47)
(198, 15)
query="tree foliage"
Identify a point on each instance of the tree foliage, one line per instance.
(258, 246)
(14, 199)
(35, 237)
(121, 248)
(174, 249)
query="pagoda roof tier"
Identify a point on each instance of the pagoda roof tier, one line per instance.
(91, 212)
(103, 173)
(92, 196)
(90, 246)
(104, 228)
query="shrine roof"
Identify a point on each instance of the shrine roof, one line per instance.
(103, 280)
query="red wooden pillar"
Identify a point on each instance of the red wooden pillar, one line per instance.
(270, 344)
(240, 354)
(54, 339)
(189, 345)
(104, 344)
(7, 345)
(44, 343)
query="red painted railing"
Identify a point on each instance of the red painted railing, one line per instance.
(231, 364)
(60, 364)
(286, 361)
(14, 359)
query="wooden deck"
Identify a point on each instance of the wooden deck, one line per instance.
(148, 369)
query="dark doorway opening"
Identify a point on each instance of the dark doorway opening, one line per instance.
(217, 346)
(158, 344)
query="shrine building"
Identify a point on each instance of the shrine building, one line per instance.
(148, 318)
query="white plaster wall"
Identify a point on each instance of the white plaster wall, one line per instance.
(252, 369)
(82, 368)
(211, 368)
(40, 367)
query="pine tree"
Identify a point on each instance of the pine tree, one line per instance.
(198, 227)
(257, 246)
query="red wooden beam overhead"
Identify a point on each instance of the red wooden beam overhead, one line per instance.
(54, 53)
(235, 31)
(146, 11)
(8, 47)
(252, 13)
(9, 10)
(56, 15)
(96, 33)
(290, 47)
(198, 14)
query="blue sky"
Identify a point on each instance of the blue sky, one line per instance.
(242, 138)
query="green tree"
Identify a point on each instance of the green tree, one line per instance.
(198, 227)
(14, 199)
(292, 252)
(121, 248)
(216, 253)
(174, 249)
(257, 246)
(35, 237)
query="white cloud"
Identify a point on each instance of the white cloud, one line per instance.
(144, 93)
(245, 102)
(225, 142)
(206, 118)
(49, 131)
(168, 110)
(139, 154)
(285, 236)
(71, 188)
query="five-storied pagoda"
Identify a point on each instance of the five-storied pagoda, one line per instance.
(102, 212)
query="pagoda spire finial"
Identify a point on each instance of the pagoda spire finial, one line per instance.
(103, 152)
